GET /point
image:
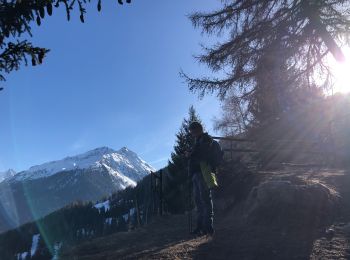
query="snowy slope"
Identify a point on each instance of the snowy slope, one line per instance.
(51, 186)
(7, 174)
(124, 164)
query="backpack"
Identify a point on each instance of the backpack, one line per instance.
(216, 154)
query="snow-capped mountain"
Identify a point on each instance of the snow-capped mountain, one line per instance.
(123, 163)
(7, 174)
(42, 189)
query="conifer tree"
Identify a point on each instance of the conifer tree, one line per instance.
(273, 50)
(16, 17)
(175, 194)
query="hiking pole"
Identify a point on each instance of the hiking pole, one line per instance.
(189, 199)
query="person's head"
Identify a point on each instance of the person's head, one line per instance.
(196, 129)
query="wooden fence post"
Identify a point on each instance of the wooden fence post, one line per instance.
(152, 194)
(137, 212)
(161, 192)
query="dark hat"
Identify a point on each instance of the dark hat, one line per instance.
(195, 125)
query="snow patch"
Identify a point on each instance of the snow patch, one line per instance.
(56, 248)
(126, 217)
(22, 256)
(105, 205)
(35, 242)
(108, 221)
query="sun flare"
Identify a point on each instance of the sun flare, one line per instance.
(341, 72)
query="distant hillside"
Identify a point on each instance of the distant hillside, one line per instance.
(42, 189)
(44, 238)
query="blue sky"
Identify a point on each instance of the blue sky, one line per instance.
(113, 81)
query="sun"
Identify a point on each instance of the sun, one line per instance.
(341, 72)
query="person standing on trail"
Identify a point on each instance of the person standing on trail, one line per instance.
(204, 158)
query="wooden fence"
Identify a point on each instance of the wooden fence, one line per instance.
(156, 180)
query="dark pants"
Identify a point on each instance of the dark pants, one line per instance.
(203, 201)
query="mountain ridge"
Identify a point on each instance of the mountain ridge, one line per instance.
(7, 174)
(90, 176)
(96, 158)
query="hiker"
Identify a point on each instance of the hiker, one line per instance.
(203, 161)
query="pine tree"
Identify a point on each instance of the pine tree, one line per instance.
(16, 17)
(175, 194)
(275, 50)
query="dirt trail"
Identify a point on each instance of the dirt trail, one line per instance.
(236, 238)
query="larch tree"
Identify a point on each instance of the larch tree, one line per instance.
(272, 52)
(234, 119)
(16, 18)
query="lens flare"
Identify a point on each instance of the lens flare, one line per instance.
(341, 72)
